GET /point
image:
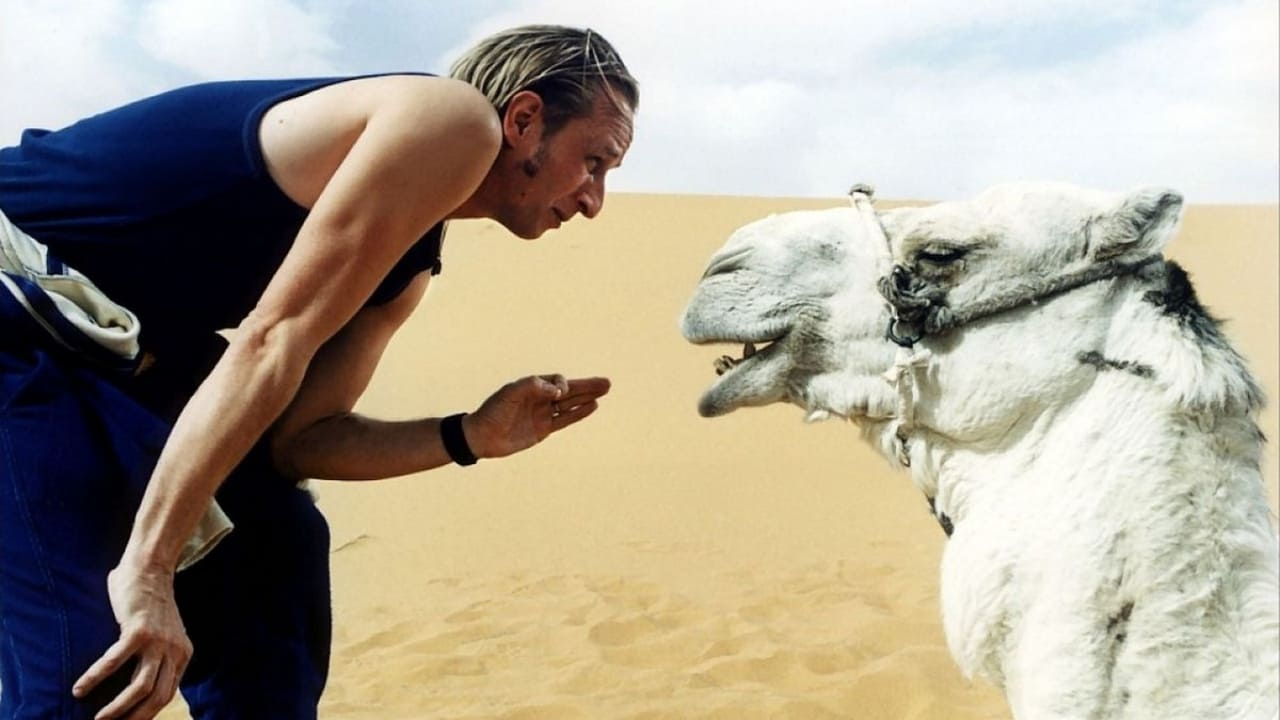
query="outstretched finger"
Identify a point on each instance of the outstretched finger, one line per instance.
(582, 390)
(166, 686)
(570, 415)
(140, 688)
(589, 387)
(112, 660)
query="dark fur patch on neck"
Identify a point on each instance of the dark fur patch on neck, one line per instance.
(1101, 363)
(1178, 299)
(1169, 290)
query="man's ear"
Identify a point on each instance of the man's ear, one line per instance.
(522, 120)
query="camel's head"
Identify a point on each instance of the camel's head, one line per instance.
(1013, 294)
(798, 290)
(812, 288)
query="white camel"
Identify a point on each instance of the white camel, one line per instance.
(1079, 424)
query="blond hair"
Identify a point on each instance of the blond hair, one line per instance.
(567, 67)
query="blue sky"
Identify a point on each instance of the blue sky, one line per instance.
(924, 99)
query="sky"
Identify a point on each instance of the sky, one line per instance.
(924, 99)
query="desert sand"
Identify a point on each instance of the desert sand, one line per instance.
(649, 564)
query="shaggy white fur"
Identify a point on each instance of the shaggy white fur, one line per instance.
(1092, 448)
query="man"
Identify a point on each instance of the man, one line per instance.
(303, 213)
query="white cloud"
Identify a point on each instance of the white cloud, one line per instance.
(805, 97)
(58, 58)
(924, 99)
(238, 38)
(61, 60)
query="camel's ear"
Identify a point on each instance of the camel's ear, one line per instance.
(1143, 223)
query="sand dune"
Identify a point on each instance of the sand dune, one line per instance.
(649, 564)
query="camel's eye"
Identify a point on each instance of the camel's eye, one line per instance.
(940, 255)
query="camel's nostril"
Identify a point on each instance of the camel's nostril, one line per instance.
(901, 278)
(727, 262)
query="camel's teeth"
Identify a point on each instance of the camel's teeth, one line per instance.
(724, 364)
(748, 350)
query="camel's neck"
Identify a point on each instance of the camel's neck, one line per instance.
(1120, 441)
(1149, 531)
(1117, 529)
(1149, 388)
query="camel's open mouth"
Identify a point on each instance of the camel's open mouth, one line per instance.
(725, 363)
(753, 379)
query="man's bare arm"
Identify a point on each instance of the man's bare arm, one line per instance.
(320, 437)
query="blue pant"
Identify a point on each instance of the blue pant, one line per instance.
(76, 451)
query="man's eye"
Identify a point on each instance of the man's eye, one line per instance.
(593, 164)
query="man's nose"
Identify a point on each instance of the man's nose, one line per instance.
(591, 198)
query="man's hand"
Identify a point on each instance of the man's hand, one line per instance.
(151, 634)
(524, 412)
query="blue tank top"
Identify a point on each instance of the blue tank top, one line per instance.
(166, 204)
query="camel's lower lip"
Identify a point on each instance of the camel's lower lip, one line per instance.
(754, 379)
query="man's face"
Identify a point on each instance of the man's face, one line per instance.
(557, 177)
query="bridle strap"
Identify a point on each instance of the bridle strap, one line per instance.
(939, 319)
(933, 317)
(902, 376)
